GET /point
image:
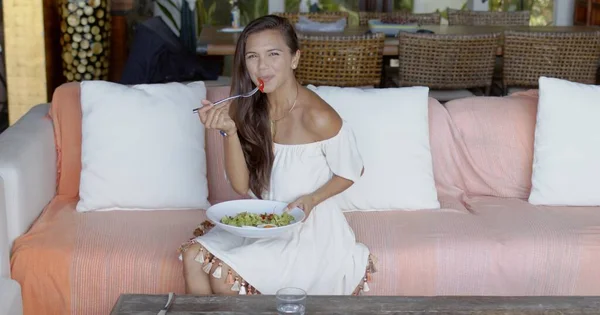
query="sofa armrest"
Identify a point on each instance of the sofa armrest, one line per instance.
(11, 301)
(28, 169)
(4, 245)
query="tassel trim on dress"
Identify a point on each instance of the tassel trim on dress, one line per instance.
(208, 261)
(364, 285)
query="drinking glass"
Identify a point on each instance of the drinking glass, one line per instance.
(291, 301)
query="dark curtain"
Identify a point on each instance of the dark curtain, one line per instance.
(157, 55)
(188, 28)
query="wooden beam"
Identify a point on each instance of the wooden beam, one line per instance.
(52, 36)
(27, 84)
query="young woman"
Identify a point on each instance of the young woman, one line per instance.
(285, 144)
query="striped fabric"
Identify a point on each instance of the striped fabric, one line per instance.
(495, 139)
(72, 263)
(486, 241)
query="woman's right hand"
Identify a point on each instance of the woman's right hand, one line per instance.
(217, 117)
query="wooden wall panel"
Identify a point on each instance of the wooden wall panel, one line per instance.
(33, 52)
(54, 74)
(121, 5)
(585, 9)
(25, 55)
(119, 37)
(118, 46)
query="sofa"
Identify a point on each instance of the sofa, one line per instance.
(10, 296)
(486, 239)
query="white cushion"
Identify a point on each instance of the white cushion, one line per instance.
(566, 155)
(142, 147)
(392, 132)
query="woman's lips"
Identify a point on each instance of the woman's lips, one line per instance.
(266, 79)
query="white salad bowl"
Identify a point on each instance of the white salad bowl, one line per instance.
(233, 207)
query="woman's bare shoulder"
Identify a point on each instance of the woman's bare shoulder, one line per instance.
(320, 118)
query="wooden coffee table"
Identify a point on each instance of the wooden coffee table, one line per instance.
(333, 305)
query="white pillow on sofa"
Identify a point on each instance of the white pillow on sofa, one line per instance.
(142, 147)
(392, 132)
(566, 158)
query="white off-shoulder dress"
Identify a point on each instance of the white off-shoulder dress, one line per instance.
(321, 256)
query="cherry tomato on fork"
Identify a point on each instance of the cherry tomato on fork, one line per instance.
(261, 85)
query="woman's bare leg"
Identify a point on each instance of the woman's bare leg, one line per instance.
(196, 280)
(220, 286)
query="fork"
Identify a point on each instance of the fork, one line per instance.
(223, 133)
(230, 98)
(164, 310)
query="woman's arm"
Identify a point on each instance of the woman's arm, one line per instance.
(235, 164)
(334, 186)
(324, 123)
(218, 117)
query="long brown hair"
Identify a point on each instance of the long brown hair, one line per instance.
(251, 115)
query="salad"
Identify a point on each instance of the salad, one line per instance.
(265, 220)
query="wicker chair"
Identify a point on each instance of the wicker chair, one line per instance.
(422, 19)
(323, 17)
(447, 62)
(572, 56)
(477, 18)
(348, 61)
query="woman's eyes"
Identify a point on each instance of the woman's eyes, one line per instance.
(270, 54)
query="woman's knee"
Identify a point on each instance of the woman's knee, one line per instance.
(189, 255)
(189, 259)
(196, 279)
(223, 285)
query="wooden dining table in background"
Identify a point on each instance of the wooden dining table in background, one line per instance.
(216, 43)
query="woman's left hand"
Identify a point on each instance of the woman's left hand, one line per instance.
(306, 203)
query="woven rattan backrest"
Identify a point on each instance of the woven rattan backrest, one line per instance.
(341, 60)
(461, 17)
(422, 19)
(447, 61)
(322, 17)
(571, 56)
